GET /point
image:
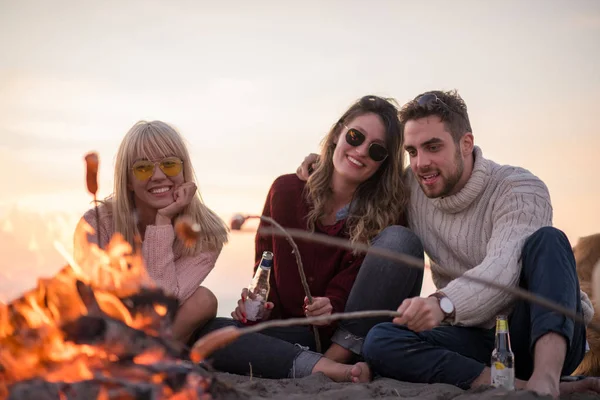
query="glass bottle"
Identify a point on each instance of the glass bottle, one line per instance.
(258, 291)
(503, 359)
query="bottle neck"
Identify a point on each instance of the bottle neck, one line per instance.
(503, 341)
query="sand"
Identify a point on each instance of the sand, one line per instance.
(318, 386)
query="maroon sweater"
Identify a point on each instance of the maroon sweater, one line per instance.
(330, 271)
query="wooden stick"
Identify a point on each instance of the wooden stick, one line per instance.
(283, 323)
(283, 232)
(414, 262)
(91, 179)
(220, 338)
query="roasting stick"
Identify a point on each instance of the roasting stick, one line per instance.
(91, 179)
(188, 232)
(215, 340)
(296, 251)
(414, 262)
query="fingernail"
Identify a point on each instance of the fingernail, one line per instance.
(245, 320)
(244, 315)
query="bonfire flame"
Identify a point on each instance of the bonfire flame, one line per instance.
(99, 327)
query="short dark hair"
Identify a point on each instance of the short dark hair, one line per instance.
(447, 105)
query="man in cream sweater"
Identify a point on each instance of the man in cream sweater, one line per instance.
(492, 221)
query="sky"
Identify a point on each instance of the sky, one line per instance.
(255, 86)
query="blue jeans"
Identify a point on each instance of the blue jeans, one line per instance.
(289, 352)
(285, 352)
(381, 284)
(458, 355)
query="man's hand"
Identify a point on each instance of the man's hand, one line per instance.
(320, 306)
(307, 166)
(420, 313)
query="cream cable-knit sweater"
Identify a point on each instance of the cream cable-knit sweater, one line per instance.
(176, 274)
(480, 231)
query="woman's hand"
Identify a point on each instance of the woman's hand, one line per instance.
(239, 314)
(320, 306)
(182, 197)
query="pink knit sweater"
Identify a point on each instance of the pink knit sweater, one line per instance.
(176, 274)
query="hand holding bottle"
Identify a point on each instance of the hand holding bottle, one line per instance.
(253, 305)
(240, 313)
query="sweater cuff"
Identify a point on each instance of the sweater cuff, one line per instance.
(459, 298)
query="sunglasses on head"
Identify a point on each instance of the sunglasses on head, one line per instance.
(428, 99)
(144, 169)
(355, 138)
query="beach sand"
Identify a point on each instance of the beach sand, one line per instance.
(318, 387)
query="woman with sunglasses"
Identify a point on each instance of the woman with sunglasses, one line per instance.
(354, 193)
(154, 183)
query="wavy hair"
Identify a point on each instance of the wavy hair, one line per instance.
(154, 140)
(381, 200)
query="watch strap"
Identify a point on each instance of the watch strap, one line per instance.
(447, 316)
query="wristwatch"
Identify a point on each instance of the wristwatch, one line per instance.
(445, 305)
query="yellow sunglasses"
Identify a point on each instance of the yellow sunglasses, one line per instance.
(144, 169)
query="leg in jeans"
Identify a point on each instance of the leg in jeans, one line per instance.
(548, 270)
(275, 353)
(381, 284)
(446, 354)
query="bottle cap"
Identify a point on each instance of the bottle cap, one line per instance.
(267, 260)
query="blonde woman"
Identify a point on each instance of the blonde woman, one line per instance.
(154, 182)
(355, 192)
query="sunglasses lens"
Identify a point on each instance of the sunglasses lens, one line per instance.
(426, 99)
(354, 137)
(377, 152)
(171, 166)
(143, 170)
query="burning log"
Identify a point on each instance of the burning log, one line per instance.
(103, 332)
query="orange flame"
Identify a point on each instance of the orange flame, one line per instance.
(33, 343)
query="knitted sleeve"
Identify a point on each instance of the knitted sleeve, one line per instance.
(340, 285)
(179, 278)
(523, 208)
(157, 250)
(192, 270)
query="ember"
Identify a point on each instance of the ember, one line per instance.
(99, 330)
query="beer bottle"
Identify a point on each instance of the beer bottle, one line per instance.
(503, 359)
(258, 291)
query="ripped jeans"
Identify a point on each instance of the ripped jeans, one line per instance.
(274, 353)
(289, 352)
(381, 284)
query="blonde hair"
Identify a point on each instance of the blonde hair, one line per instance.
(381, 200)
(155, 140)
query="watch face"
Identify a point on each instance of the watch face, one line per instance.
(446, 305)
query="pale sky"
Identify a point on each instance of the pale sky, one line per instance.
(254, 86)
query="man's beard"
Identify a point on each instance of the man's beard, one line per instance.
(451, 181)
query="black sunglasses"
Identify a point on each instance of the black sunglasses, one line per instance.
(355, 138)
(428, 101)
